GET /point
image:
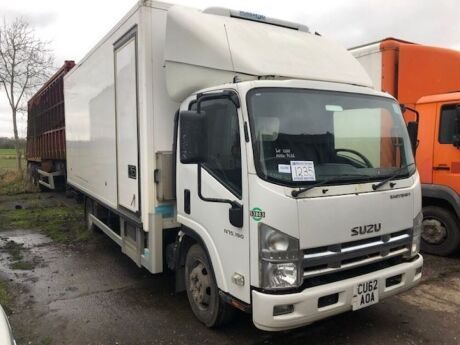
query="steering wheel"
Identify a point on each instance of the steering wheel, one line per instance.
(359, 154)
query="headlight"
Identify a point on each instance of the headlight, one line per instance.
(416, 234)
(279, 256)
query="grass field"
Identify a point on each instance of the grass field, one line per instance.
(8, 152)
(8, 160)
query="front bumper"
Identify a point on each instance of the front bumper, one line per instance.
(305, 303)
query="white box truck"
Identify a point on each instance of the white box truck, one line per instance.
(251, 157)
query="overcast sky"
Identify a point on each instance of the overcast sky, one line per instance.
(74, 27)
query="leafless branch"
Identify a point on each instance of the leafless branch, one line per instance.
(25, 63)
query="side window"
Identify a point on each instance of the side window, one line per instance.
(447, 124)
(223, 159)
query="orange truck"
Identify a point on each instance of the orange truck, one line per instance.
(426, 81)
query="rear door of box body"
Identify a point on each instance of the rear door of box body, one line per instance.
(126, 101)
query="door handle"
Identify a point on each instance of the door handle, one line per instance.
(133, 201)
(441, 167)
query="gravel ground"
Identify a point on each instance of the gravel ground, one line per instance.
(93, 294)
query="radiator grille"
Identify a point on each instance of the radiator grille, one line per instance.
(344, 256)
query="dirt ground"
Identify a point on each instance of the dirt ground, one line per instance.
(73, 292)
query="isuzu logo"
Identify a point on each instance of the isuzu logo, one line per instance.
(366, 229)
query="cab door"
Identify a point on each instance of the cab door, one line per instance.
(446, 157)
(202, 189)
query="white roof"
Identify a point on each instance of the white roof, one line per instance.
(203, 49)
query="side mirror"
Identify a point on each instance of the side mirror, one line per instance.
(235, 215)
(193, 137)
(412, 129)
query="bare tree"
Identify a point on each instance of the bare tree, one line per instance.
(25, 63)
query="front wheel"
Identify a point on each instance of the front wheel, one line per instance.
(441, 232)
(202, 291)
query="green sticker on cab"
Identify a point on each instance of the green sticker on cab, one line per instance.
(257, 214)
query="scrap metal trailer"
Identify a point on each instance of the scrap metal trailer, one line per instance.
(46, 147)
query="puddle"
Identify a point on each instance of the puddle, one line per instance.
(26, 238)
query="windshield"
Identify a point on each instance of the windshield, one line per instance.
(303, 136)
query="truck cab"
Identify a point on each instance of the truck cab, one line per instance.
(425, 79)
(286, 175)
(438, 160)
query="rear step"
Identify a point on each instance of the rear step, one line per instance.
(130, 241)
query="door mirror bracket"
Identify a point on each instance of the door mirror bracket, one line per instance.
(235, 213)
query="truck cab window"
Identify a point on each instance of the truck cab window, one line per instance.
(223, 159)
(340, 134)
(447, 124)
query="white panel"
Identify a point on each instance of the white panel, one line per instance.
(354, 210)
(90, 126)
(227, 44)
(370, 58)
(127, 134)
(89, 96)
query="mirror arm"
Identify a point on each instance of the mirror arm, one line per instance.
(226, 201)
(417, 115)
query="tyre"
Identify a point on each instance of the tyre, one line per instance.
(202, 291)
(440, 232)
(89, 210)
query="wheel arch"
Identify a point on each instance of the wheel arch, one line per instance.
(442, 196)
(186, 238)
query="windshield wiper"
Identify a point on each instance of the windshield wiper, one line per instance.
(376, 186)
(296, 192)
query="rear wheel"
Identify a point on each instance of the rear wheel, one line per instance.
(202, 291)
(440, 233)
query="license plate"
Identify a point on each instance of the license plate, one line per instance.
(365, 294)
